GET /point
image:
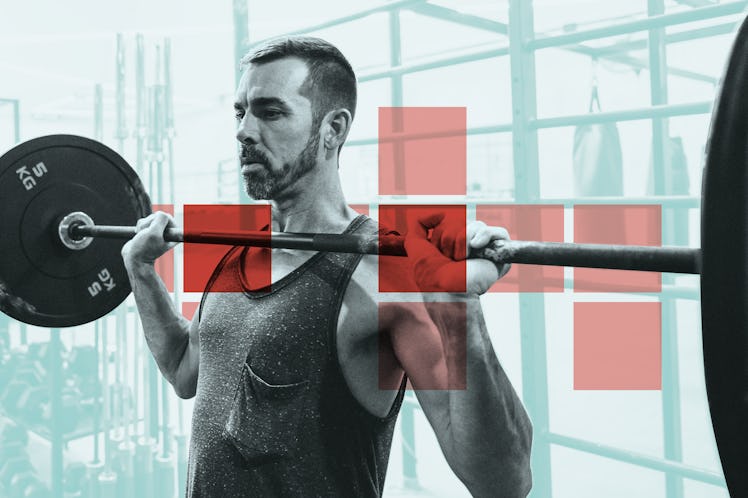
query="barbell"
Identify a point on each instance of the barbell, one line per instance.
(60, 268)
(55, 275)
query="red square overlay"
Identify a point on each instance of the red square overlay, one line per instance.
(429, 340)
(528, 222)
(201, 259)
(189, 308)
(360, 208)
(617, 224)
(617, 346)
(165, 264)
(396, 274)
(422, 150)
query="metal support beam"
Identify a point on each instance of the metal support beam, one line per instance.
(639, 64)
(407, 421)
(387, 7)
(16, 118)
(666, 201)
(120, 132)
(395, 137)
(661, 164)
(503, 50)
(640, 459)
(670, 39)
(241, 35)
(527, 189)
(241, 46)
(454, 16)
(696, 3)
(98, 131)
(652, 22)
(668, 110)
(435, 63)
(54, 358)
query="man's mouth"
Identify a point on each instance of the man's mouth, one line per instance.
(251, 161)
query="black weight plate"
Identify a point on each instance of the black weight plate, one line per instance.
(724, 275)
(42, 282)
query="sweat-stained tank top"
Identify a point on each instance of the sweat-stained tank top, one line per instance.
(273, 414)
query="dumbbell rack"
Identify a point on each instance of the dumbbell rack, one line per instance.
(53, 433)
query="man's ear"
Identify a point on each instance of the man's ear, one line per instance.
(337, 125)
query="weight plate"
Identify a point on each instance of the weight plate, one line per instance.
(724, 274)
(42, 282)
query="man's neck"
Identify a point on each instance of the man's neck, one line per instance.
(314, 204)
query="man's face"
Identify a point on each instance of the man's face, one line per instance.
(274, 123)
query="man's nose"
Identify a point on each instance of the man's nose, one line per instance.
(247, 133)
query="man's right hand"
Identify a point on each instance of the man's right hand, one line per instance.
(148, 244)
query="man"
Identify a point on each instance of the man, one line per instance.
(298, 384)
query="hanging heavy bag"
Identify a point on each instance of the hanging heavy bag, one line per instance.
(675, 170)
(598, 171)
(598, 160)
(676, 182)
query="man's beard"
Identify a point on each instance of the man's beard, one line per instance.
(265, 183)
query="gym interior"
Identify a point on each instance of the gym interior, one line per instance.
(590, 118)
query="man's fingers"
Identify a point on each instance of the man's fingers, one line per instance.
(420, 224)
(155, 222)
(444, 237)
(143, 223)
(431, 220)
(420, 248)
(473, 228)
(461, 246)
(485, 234)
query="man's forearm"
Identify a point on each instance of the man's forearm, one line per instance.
(489, 432)
(166, 331)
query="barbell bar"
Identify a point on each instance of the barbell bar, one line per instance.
(44, 281)
(622, 257)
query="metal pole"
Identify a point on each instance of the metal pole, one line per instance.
(16, 121)
(661, 165)
(656, 111)
(141, 103)
(407, 418)
(98, 113)
(666, 466)
(386, 7)
(241, 46)
(56, 427)
(527, 189)
(169, 119)
(120, 133)
(651, 22)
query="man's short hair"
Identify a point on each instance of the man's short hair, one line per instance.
(331, 82)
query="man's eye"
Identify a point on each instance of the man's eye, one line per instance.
(239, 115)
(271, 114)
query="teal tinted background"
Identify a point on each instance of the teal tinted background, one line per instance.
(53, 55)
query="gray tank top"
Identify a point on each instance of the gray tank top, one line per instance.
(273, 414)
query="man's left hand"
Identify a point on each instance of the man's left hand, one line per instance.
(439, 245)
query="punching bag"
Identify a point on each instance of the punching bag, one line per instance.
(598, 160)
(675, 170)
(676, 182)
(598, 171)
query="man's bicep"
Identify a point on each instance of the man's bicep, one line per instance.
(418, 348)
(417, 345)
